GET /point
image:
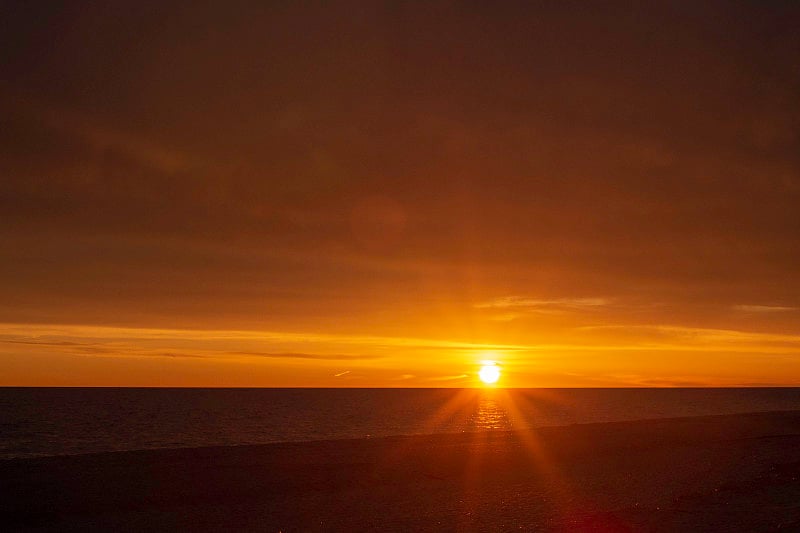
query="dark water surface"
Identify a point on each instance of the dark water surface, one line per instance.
(57, 421)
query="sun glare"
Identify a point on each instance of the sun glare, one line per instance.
(489, 372)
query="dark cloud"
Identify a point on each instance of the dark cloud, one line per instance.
(245, 164)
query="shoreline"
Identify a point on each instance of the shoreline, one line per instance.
(221, 447)
(717, 471)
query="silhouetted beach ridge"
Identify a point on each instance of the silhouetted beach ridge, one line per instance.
(727, 472)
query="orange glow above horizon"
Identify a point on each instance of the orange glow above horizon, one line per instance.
(68, 355)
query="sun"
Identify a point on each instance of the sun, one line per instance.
(489, 372)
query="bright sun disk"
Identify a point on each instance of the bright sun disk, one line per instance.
(489, 373)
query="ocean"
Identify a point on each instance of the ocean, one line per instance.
(62, 421)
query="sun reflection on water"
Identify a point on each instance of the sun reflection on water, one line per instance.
(490, 413)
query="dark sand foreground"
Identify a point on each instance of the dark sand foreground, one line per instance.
(722, 473)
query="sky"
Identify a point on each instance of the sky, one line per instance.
(381, 194)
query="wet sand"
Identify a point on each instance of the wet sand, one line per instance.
(721, 473)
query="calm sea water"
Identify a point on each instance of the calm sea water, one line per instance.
(37, 422)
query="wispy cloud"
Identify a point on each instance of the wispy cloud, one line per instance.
(227, 338)
(99, 349)
(520, 303)
(129, 349)
(372, 351)
(46, 343)
(448, 378)
(763, 308)
(110, 342)
(683, 338)
(299, 355)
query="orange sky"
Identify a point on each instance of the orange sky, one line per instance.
(372, 194)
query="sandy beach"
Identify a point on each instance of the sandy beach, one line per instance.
(719, 473)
